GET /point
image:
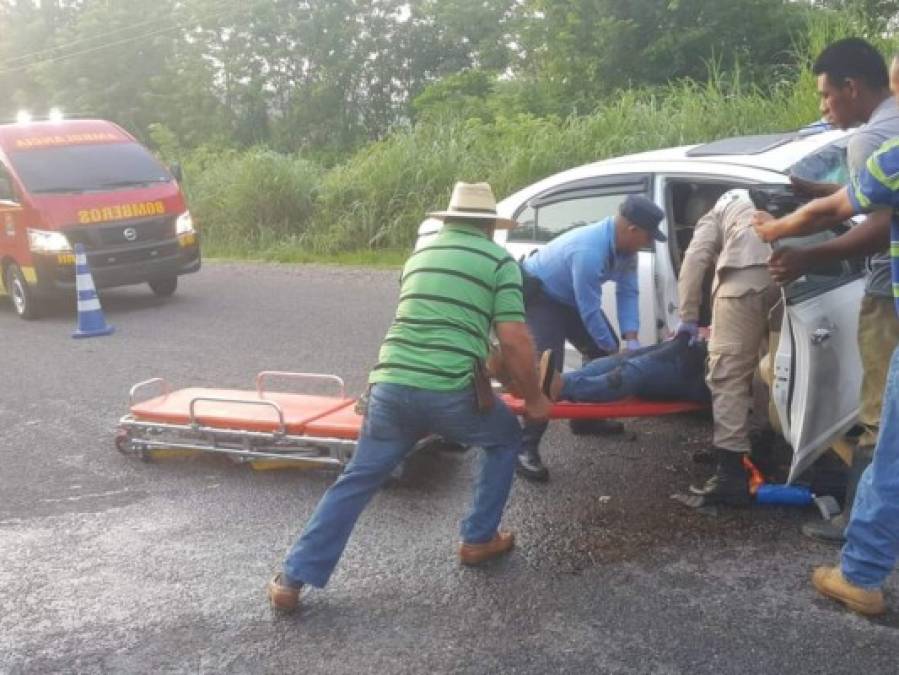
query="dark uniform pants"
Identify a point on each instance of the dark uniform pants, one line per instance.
(552, 323)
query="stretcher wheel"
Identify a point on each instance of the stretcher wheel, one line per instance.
(123, 442)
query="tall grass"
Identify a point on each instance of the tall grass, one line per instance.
(378, 197)
(251, 200)
(283, 207)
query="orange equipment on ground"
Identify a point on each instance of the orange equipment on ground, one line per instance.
(309, 429)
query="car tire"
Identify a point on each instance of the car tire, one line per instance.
(24, 302)
(164, 288)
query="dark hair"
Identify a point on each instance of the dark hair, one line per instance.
(853, 58)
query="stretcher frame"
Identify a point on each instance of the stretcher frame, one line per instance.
(151, 425)
(140, 436)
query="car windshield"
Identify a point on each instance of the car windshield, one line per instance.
(84, 168)
(825, 165)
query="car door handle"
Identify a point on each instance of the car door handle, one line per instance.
(821, 335)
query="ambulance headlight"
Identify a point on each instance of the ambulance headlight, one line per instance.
(43, 241)
(184, 224)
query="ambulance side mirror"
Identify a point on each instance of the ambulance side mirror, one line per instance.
(175, 170)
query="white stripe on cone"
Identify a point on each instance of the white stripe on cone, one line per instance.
(88, 305)
(84, 282)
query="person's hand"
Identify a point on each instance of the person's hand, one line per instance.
(765, 226)
(537, 410)
(787, 264)
(690, 328)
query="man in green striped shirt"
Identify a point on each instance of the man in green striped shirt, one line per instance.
(454, 291)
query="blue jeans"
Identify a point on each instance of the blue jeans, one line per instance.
(398, 416)
(872, 539)
(673, 370)
(552, 323)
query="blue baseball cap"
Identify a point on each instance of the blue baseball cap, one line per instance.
(643, 213)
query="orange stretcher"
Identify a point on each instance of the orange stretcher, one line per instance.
(310, 429)
(248, 424)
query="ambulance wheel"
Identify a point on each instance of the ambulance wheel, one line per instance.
(23, 300)
(164, 287)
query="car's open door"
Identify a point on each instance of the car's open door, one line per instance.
(817, 369)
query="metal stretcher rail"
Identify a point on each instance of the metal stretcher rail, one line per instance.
(238, 427)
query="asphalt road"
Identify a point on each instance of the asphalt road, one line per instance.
(108, 564)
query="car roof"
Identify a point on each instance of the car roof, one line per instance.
(752, 158)
(774, 152)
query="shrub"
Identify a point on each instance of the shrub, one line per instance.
(250, 199)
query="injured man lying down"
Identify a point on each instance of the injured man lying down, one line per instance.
(673, 370)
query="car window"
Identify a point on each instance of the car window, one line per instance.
(554, 219)
(822, 277)
(564, 208)
(825, 165)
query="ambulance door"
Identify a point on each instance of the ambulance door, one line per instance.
(11, 221)
(817, 368)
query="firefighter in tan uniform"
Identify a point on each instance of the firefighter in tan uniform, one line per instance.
(743, 296)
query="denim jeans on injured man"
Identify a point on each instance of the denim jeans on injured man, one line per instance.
(670, 371)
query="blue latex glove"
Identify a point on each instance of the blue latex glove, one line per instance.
(633, 345)
(690, 328)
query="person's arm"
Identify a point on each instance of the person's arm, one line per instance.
(819, 214)
(813, 189)
(703, 251)
(519, 360)
(516, 345)
(587, 279)
(869, 237)
(627, 297)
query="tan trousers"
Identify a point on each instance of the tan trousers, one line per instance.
(739, 335)
(878, 336)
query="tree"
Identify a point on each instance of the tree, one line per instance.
(587, 48)
(877, 16)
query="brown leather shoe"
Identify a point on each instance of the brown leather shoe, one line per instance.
(475, 554)
(283, 596)
(831, 583)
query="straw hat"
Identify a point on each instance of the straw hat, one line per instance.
(474, 201)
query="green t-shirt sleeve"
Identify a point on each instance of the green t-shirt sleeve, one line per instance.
(508, 303)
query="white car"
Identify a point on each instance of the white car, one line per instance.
(817, 368)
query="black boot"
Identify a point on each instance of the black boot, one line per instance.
(833, 531)
(729, 485)
(531, 467)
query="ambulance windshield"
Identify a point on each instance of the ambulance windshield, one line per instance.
(87, 168)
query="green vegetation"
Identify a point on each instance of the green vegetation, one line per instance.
(327, 128)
